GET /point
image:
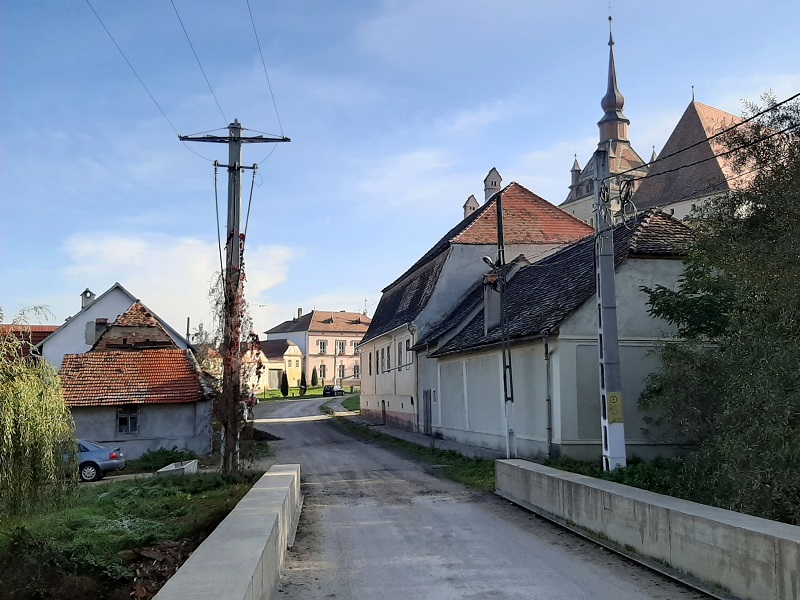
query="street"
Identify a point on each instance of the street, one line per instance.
(377, 525)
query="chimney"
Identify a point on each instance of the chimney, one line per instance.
(491, 185)
(299, 312)
(100, 326)
(470, 206)
(87, 297)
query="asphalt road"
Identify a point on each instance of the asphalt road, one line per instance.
(376, 525)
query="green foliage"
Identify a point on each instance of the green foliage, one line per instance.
(731, 384)
(314, 377)
(303, 384)
(94, 537)
(38, 462)
(352, 403)
(153, 460)
(284, 385)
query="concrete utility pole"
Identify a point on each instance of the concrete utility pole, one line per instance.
(230, 411)
(611, 417)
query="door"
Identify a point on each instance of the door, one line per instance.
(426, 412)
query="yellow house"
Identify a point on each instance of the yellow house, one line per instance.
(264, 363)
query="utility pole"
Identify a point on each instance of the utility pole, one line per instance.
(508, 383)
(229, 412)
(611, 417)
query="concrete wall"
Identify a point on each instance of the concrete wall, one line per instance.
(243, 556)
(186, 425)
(752, 558)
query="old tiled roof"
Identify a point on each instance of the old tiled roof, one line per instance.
(275, 349)
(527, 219)
(146, 377)
(542, 295)
(664, 185)
(138, 315)
(318, 321)
(29, 333)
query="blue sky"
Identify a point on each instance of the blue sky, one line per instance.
(397, 110)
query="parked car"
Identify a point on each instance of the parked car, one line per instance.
(332, 390)
(95, 460)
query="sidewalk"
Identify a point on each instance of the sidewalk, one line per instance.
(420, 439)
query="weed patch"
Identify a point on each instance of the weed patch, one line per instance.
(153, 460)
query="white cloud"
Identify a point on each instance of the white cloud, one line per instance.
(170, 275)
(474, 120)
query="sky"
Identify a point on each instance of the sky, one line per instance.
(397, 110)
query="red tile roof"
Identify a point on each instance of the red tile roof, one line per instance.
(28, 333)
(318, 321)
(138, 315)
(527, 219)
(162, 376)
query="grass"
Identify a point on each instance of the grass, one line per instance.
(352, 403)
(476, 473)
(153, 460)
(96, 538)
(294, 392)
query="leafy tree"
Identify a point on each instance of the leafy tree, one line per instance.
(731, 384)
(303, 384)
(284, 385)
(37, 435)
(314, 378)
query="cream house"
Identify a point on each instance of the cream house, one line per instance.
(328, 342)
(552, 310)
(414, 302)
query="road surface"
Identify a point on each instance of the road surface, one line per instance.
(375, 525)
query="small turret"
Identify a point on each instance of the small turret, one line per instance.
(575, 171)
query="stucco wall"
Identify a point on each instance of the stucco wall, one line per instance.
(393, 389)
(185, 425)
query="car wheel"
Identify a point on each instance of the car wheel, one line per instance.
(90, 472)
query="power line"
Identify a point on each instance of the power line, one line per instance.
(141, 81)
(708, 139)
(264, 65)
(186, 33)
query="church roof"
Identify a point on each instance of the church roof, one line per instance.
(625, 159)
(670, 180)
(527, 219)
(542, 295)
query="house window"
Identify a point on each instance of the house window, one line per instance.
(323, 346)
(297, 363)
(369, 364)
(409, 356)
(357, 371)
(340, 346)
(128, 419)
(399, 354)
(341, 371)
(322, 372)
(383, 363)
(388, 358)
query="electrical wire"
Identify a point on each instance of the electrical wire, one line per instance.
(708, 139)
(249, 202)
(264, 64)
(186, 33)
(219, 236)
(141, 81)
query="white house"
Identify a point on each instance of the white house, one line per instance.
(80, 331)
(553, 330)
(418, 299)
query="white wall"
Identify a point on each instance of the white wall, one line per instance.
(71, 337)
(186, 425)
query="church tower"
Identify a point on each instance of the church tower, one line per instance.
(613, 127)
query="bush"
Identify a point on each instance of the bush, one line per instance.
(153, 460)
(314, 378)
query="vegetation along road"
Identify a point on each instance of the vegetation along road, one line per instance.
(375, 524)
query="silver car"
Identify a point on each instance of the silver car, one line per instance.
(95, 460)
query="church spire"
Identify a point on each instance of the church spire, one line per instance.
(614, 124)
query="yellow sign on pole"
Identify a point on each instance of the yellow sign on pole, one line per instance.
(614, 407)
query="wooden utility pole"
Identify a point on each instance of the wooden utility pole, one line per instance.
(230, 412)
